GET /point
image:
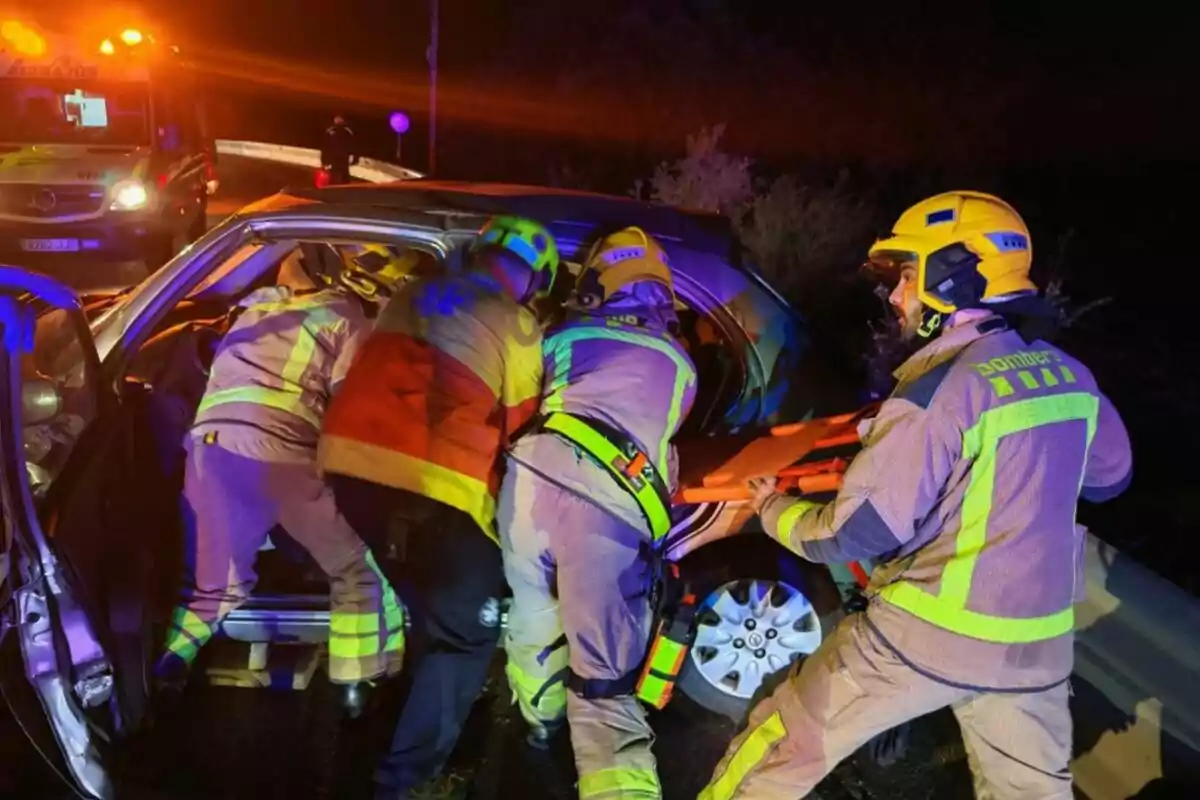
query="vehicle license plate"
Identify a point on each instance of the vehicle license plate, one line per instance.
(50, 245)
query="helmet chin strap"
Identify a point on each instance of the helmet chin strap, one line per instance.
(931, 323)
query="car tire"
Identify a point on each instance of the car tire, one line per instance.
(734, 568)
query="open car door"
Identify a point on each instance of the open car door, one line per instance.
(50, 395)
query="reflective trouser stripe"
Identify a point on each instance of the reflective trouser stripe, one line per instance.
(187, 634)
(393, 612)
(752, 752)
(948, 608)
(623, 781)
(355, 634)
(550, 694)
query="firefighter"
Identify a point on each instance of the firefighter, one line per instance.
(251, 465)
(338, 151)
(414, 440)
(584, 501)
(965, 489)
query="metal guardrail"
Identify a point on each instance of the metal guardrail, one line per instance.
(367, 169)
(1138, 645)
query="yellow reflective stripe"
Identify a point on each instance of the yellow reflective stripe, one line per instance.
(619, 780)
(788, 519)
(348, 623)
(752, 752)
(289, 397)
(662, 668)
(654, 690)
(190, 622)
(393, 611)
(947, 609)
(1002, 630)
(287, 400)
(1067, 374)
(188, 633)
(299, 359)
(1048, 377)
(301, 303)
(1001, 386)
(685, 372)
(667, 656)
(582, 434)
(353, 646)
(551, 705)
(683, 379)
(339, 454)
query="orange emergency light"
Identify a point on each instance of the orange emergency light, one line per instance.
(24, 40)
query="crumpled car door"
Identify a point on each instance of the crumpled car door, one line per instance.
(64, 660)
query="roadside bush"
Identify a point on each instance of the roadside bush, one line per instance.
(805, 236)
(808, 238)
(705, 179)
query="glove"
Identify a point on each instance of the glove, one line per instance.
(764, 490)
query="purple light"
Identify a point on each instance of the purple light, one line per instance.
(399, 122)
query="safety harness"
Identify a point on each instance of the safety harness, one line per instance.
(617, 452)
(675, 606)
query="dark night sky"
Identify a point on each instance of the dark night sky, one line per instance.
(884, 81)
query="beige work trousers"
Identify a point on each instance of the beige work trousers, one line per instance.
(854, 687)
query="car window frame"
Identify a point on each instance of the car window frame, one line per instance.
(145, 309)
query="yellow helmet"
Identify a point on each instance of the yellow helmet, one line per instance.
(618, 260)
(969, 248)
(529, 241)
(372, 271)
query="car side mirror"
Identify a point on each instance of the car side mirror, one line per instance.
(41, 401)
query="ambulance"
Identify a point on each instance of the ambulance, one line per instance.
(104, 154)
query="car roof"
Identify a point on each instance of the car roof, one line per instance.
(558, 209)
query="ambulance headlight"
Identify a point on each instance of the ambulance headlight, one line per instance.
(129, 195)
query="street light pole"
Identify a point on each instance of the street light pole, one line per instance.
(431, 55)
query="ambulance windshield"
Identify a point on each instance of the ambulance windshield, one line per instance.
(53, 111)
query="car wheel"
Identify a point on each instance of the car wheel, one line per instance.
(749, 631)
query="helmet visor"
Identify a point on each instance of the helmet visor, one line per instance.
(886, 266)
(951, 276)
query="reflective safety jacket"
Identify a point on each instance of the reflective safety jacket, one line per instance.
(451, 370)
(279, 364)
(967, 487)
(637, 380)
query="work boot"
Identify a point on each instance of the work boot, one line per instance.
(356, 698)
(170, 675)
(540, 736)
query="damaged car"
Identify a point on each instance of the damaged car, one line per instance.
(97, 392)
